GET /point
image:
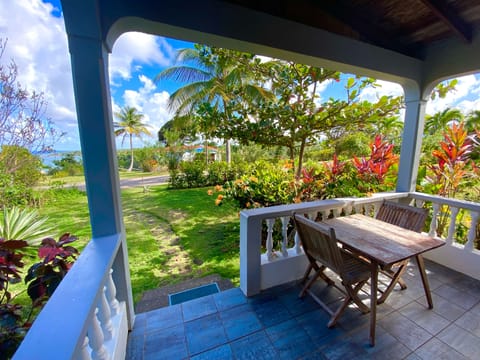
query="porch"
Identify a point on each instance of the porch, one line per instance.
(276, 324)
(264, 317)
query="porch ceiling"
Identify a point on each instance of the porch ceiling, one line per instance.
(407, 41)
(404, 26)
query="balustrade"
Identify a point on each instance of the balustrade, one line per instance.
(279, 263)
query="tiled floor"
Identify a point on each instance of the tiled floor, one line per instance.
(278, 325)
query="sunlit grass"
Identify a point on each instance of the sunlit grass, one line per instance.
(172, 235)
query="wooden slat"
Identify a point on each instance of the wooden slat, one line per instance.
(384, 242)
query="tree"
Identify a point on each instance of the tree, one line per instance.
(439, 121)
(295, 118)
(22, 113)
(215, 76)
(130, 125)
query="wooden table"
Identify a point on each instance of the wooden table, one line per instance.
(383, 244)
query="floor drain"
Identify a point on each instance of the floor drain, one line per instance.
(194, 293)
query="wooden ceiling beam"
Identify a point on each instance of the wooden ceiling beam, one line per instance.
(450, 17)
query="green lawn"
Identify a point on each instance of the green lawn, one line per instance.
(172, 235)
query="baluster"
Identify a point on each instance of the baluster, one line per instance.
(336, 213)
(96, 339)
(348, 209)
(452, 225)
(285, 221)
(325, 214)
(472, 232)
(104, 316)
(85, 350)
(376, 208)
(270, 223)
(298, 248)
(358, 208)
(112, 295)
(433, 224)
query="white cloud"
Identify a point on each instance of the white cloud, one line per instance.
(144, 48)
(153, 106)
(384, 88)
(466, 86)
(38, 43)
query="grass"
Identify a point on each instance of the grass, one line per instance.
(172, 235)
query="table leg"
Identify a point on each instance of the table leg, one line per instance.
(423, 274)
(373, 301)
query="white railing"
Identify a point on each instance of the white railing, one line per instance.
(281, 264)
(86, 318)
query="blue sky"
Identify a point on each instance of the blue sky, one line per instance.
(38, 44)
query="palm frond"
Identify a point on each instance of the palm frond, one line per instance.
(183, 74)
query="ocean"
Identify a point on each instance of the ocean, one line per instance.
(49, 157)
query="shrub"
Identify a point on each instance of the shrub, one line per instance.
(19, 172)
(68, 165)
(42, 278)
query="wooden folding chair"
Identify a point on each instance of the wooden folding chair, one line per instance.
(407, 217)
(321, 248)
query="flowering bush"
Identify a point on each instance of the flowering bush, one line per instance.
(267, 184)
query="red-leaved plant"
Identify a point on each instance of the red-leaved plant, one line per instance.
(377, 166)
(44, 277)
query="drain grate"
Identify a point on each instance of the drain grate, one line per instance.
(194, 293)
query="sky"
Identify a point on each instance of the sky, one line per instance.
(38, 44)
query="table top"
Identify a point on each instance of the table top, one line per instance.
(380, 241)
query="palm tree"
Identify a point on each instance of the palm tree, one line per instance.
(440, 120)
(130, 124)
(216, 76)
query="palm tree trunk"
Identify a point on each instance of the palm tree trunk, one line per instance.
(228, 153)
(206, 150)
(131, 154)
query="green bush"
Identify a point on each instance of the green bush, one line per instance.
(68, 165)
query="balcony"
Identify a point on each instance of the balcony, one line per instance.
(264, 317)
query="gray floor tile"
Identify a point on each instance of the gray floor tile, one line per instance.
(405, 330)
(461, 340)
(462, 298)
(435, 349)
(426, 318)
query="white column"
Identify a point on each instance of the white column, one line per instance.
(411, 142)
(89, 57)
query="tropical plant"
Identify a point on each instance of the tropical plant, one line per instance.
(216, 76)
(296, 118)
(43, 278)
(451, 169)
(57, 257)
(129, 125)
(376, 168)
(23, 224)
(439, 121)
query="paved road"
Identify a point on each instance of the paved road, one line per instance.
(128, 183)
(143, 181)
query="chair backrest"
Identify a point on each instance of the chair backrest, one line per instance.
(408, 217)
(319, 242)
